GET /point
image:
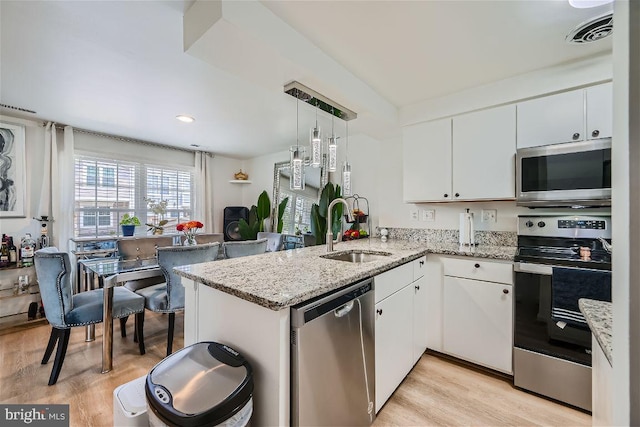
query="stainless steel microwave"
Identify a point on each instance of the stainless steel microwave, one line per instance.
(571, 174)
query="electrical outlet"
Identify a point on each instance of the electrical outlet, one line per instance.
(489, 215)
(413, 214)
(428, 214)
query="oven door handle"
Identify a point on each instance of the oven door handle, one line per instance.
(525, 267)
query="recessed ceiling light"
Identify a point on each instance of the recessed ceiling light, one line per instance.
(185, 118)
(195, 145)
(585, 4)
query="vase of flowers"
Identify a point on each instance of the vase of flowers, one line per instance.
(189, 228)
(159, 210)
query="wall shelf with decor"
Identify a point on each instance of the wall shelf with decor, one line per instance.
(240, 181)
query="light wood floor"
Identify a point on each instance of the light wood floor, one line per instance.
(438, 392)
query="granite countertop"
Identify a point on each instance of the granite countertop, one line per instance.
(276, 280)
(599, 317)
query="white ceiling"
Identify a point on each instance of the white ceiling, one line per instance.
(122, 68)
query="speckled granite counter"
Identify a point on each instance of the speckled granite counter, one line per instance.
(599, 317)
(281, 279)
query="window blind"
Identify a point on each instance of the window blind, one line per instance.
(106, 189)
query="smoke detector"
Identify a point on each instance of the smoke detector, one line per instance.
(592, 30)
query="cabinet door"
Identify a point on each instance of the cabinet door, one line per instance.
(484, 149)
(420, 318)
(599, 111)
(551, 119)
(426, 151)
(478, 322)
(394, 348)
(191, 320)
(433, 275)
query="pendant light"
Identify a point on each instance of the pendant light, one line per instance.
(316, 143)
(296, 159)
(333, 148)
(346, 169)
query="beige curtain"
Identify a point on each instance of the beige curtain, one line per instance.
(204, 205)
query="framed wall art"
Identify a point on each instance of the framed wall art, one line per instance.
(12, 171)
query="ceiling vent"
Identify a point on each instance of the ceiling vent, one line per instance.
(11, 107)
(592, 30)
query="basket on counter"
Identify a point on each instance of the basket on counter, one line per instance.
(360, 219)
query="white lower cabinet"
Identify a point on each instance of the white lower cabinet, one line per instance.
(601, 387)
(394, 342)
(401, 325)
(477, 322)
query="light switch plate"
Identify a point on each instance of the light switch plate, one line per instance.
(489, 215)
(413, 214)
(428, 214)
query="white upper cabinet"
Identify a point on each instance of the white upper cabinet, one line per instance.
(551, 119)
(484, 148)
(599, 111)
(427, 161)
(577, 115)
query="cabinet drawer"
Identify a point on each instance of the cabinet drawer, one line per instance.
(392, 281)
(479, 269)
(419, 266)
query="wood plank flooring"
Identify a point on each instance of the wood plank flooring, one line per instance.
(438, 392)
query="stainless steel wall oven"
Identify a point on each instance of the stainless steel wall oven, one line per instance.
(559, 261)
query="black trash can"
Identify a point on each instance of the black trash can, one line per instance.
(205, 384)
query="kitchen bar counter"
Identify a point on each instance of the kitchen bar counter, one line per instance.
(599, 317)
(277, 280)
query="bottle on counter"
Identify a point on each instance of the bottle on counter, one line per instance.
(4, 254)
(27, 250)
(13, 252)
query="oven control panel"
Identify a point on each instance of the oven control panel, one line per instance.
(575, 226)
(583, 224)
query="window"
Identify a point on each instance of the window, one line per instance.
(107, 189)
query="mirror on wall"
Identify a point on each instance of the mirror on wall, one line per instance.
(297, 216)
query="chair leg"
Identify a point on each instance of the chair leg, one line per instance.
(135, 328)
(53, 339)
(123, 326)
(172, 321)
(60, 353)
(139, 331)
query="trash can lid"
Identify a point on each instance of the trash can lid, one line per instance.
(202, 384)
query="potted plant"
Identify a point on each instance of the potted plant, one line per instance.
(128, 224)
(159, 210)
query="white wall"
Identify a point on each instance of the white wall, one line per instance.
(224, 193)
(34, 160)
(260, 170)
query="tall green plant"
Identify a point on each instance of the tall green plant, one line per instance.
(249, 230)
(281, 208)
(319, 213)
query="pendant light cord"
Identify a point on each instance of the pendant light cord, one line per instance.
(347, 144)
(297, 120)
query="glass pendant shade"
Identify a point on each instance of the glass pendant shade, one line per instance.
(346, 179)
(333, 154)
(316, 146)
(296, 166)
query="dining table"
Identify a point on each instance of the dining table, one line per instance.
(111, 272)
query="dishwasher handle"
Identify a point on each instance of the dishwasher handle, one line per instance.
(340, 302)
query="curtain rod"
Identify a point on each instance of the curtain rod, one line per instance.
(123, 139)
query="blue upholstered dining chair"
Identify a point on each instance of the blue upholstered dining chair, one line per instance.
(65, 310)
(168, 297)
(275, 241)
(246, 248)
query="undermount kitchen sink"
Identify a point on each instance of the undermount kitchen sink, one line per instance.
(356, 256)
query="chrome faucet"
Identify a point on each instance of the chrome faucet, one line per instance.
(329, 236)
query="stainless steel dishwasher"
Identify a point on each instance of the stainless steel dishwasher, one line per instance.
(332, 359)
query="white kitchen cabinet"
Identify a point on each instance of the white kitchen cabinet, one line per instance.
(420, 318)
(394, 342)
(401, 324)
(577, 115)
(469, 157)
(427, 161)
(477, 311)
(477, 322)
(484, 148)
(599, 111)
(601, 387)
(433, 275)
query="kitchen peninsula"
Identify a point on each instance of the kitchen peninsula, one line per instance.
(245, 303)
